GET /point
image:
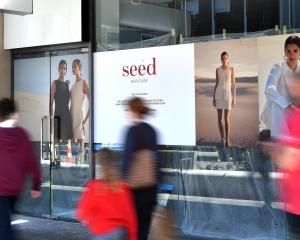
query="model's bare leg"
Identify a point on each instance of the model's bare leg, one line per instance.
(80, 145)
(220, 124)
(227, 127)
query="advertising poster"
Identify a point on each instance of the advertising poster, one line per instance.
(70, 96)
(274, 75)
(33, 78)
(163, 76)
(227, 109)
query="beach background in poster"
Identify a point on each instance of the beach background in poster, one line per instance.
(244, 117)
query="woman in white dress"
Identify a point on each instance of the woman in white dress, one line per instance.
(79, 92)
(224, 96)
(278, 100)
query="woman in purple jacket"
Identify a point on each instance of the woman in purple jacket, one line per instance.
(16, 160)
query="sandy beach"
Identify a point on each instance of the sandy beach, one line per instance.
(244, 117)
(32, 108)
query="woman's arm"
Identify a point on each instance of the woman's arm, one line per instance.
(285, 157)
(233, 87)
(86, 91)
(129, 149)
(52, 94)
(216, 85)
(271, 90)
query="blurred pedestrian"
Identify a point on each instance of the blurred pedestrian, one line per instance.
(286, 154)
(106, 206)
(17, 159)
(140, 164)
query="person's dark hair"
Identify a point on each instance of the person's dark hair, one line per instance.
(292, 40)
(78, 63)
(62, 62)
(7, 107)
(264, 135)
(224, 54)
(107, 157)
(138, 106)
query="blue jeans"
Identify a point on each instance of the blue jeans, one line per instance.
(116, 234)
(6, 204)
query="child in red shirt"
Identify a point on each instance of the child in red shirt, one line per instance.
(106, 206)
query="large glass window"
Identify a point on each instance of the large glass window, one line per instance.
(262, 15)
(53, 98)
(217, 192)
(125, 24)
(229, 16)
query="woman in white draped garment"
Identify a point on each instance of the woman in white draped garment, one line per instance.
(278, 100)
(79, 93)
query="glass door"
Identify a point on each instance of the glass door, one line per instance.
(52, 93)
(31, 74)
(69, 114)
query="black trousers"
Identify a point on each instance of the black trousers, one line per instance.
(293, 222)
(6, 206)
(145, 201)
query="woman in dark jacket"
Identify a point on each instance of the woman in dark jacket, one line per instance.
(141, 136)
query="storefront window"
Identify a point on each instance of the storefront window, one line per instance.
(220, 192)
(126, 24)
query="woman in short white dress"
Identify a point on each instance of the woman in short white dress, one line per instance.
(224, 96)
(79, 92)
(278, 100)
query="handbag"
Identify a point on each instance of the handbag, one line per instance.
(162, 225)
(143, 170)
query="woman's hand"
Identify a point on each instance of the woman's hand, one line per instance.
(82, 127)
(35, 194)
(291, 107)
(233, 104)
(214, 102)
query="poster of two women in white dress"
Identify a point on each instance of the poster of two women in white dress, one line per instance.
(69, 96)
(241, 88)
(56, 84)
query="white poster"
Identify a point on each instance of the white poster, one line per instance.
(163, 76)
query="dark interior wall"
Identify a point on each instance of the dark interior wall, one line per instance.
(296, 13)
(86, 22)
(233, 21)
(201, 23)
(262, 15)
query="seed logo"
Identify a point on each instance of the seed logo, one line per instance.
(140, 70)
